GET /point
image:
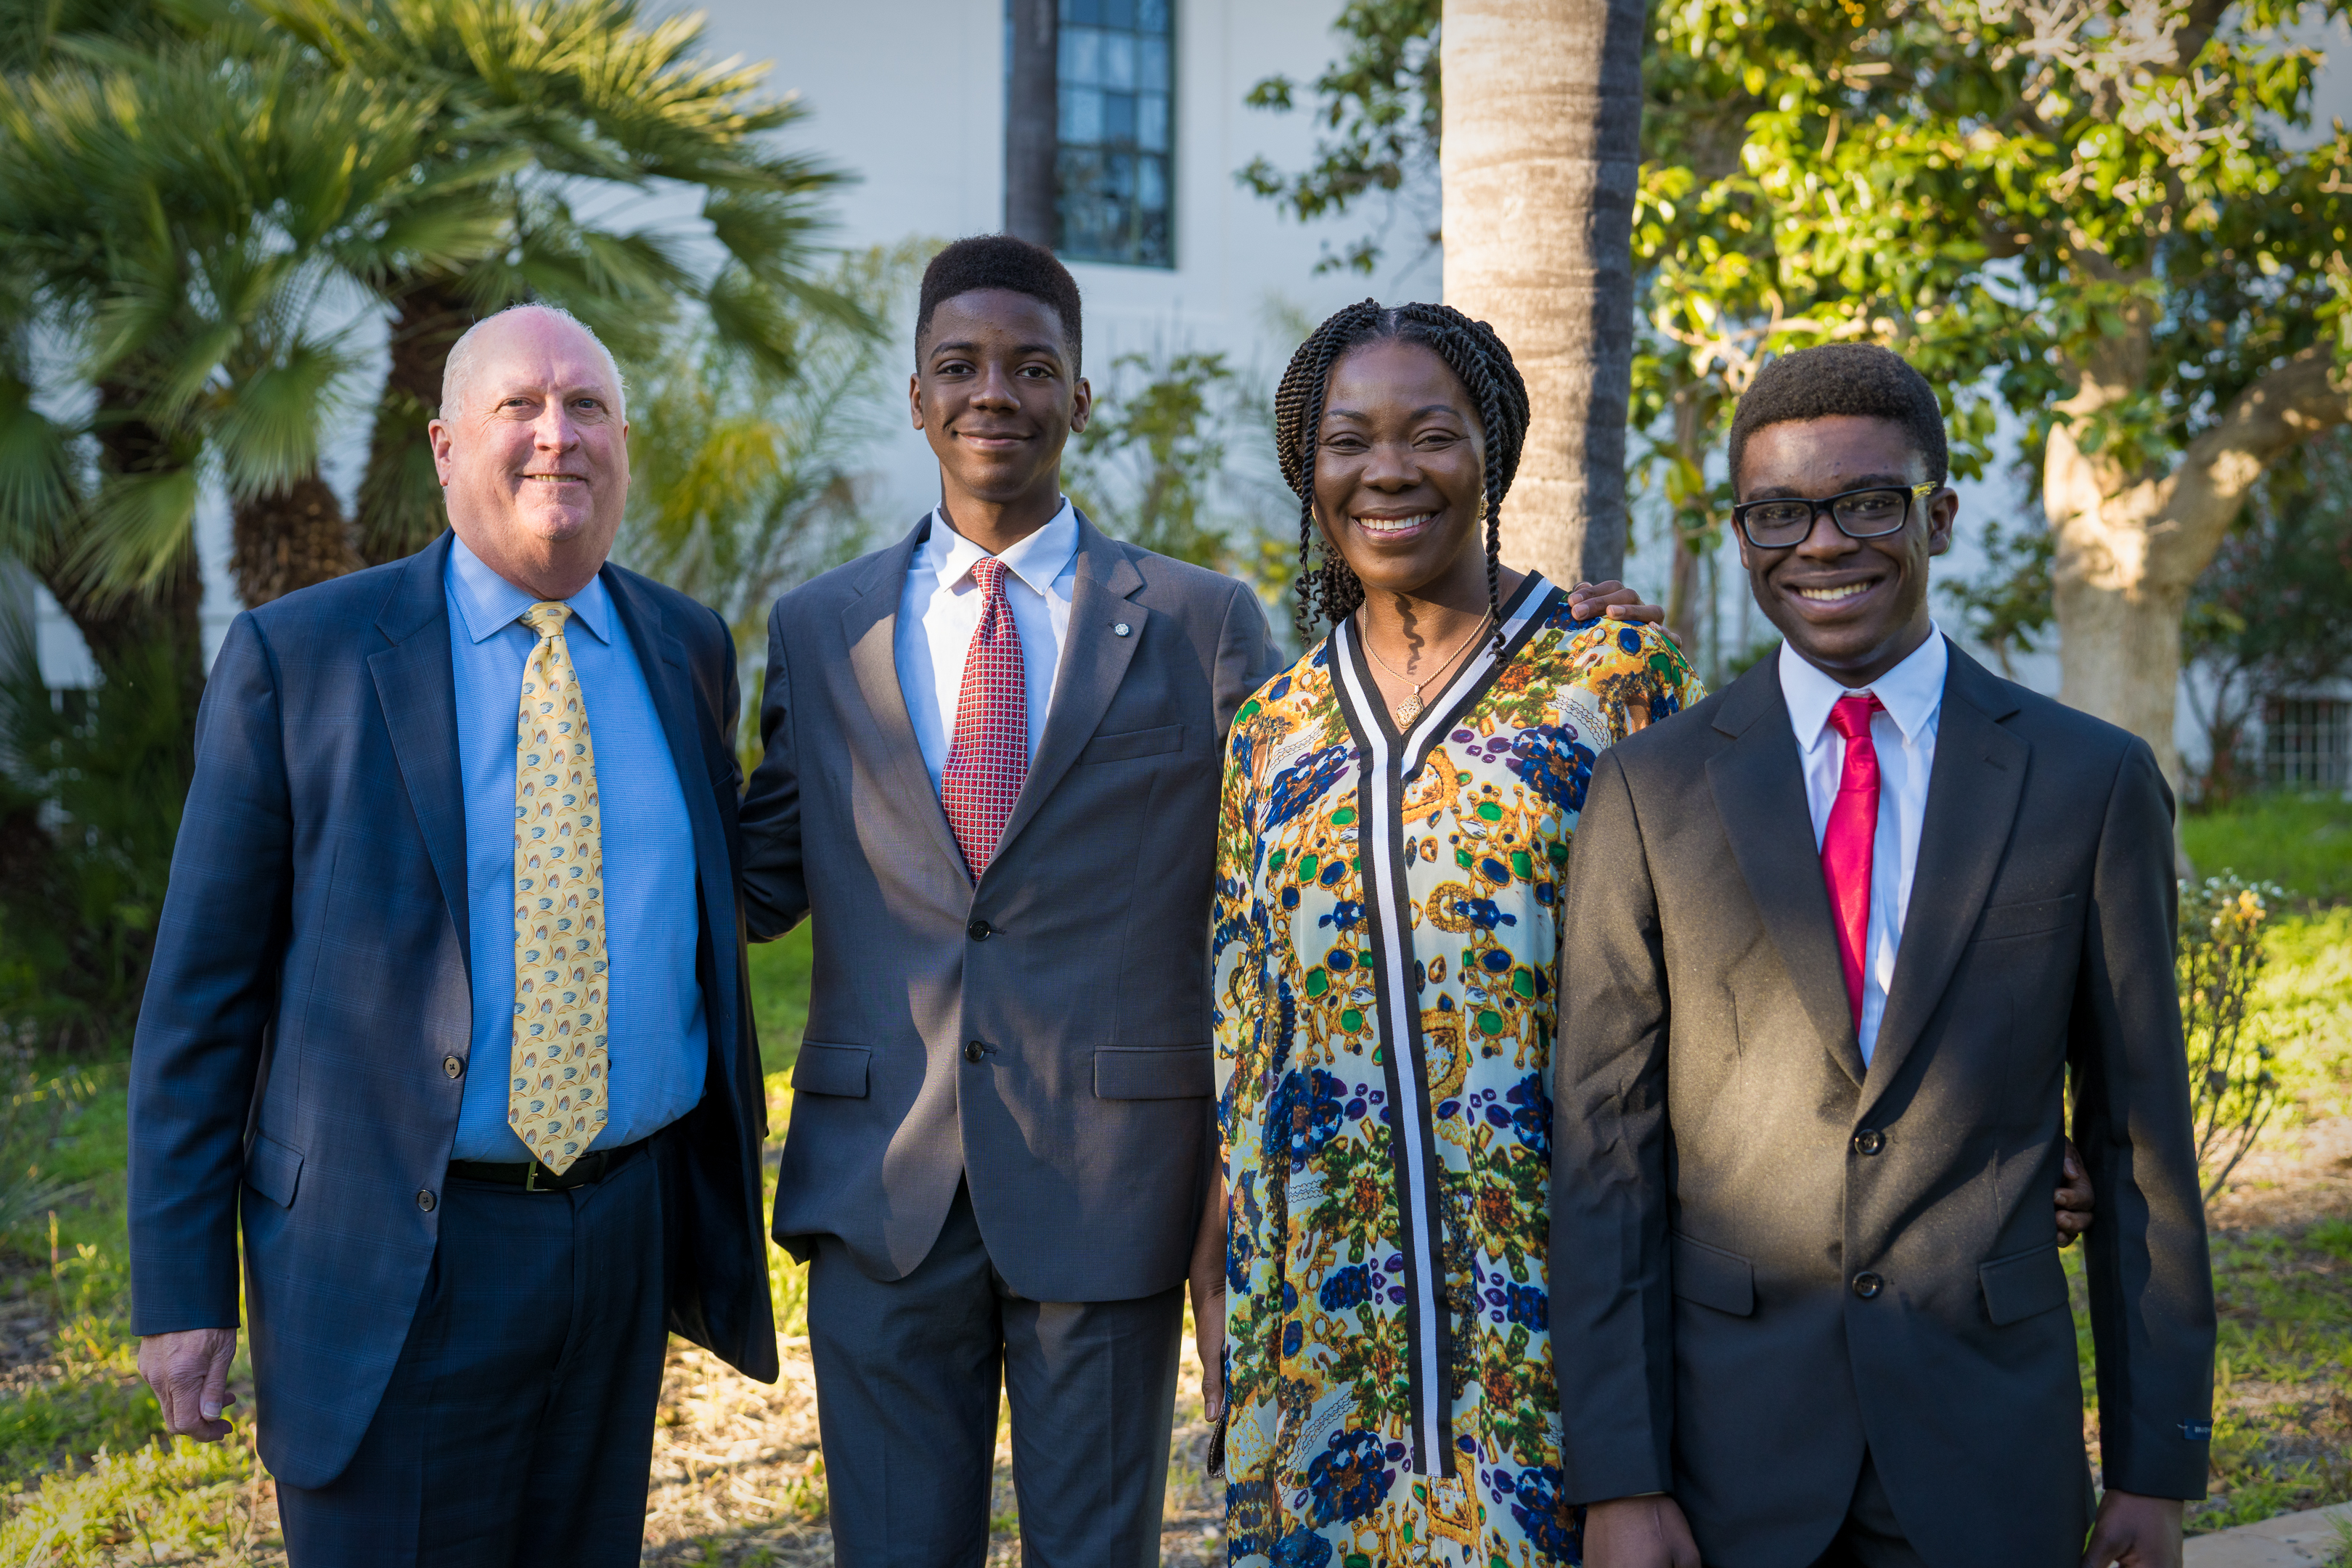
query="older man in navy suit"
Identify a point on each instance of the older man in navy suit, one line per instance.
(448, 1011)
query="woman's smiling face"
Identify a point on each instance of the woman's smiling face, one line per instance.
(1400, 468)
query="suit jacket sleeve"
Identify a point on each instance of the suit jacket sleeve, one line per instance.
(1612, 1319)
(1247, 657)
(2151, 1287)
(211, 993)
(776, 887)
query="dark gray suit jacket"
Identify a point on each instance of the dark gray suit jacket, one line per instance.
(1765, 1257)
(1043, 1035)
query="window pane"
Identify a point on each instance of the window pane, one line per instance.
(1081, 116)
(1081, 56)
(1116, 197)
(1118, 62)
(1118, 119)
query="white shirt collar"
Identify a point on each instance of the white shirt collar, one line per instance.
(490, 604)
(1037, 560)
(1911, 692)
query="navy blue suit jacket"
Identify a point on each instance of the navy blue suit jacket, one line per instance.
(301, 1052)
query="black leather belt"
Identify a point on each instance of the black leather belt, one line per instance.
(532, 1176)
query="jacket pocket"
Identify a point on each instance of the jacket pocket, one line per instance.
(2036, 917)
(1714, 1277)
(1154, 1072)
(831, 1069)
(1133, 743)
(273, 1170)
(2022, 1284)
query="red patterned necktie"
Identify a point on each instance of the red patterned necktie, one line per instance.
(1847, 842)
(989, 758)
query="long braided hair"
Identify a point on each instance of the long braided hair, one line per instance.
(1328, 590)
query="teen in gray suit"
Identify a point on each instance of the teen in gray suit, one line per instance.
(1837, 941)
(1001, 1127)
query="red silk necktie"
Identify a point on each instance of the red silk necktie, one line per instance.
(1847, 841)
(989, 758)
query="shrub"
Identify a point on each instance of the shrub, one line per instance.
(2221, 956)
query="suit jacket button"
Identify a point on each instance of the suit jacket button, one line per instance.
(425, 1201)
(974, 1050)
(452, 1065)
(980, 931)
(1869, 1141)
(1866, 1285)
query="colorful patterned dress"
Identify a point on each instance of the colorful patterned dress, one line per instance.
(1384, 947)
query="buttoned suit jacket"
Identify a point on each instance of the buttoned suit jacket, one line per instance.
(312, 990)
(1766, 1256)
(1043, 1035)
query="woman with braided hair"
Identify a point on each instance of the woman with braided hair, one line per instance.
(1396, 814)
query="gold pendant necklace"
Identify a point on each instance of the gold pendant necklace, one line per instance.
(1411, 708)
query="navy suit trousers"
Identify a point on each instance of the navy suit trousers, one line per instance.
(519, 1423)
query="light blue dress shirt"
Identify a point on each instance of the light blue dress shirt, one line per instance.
(656, 1036)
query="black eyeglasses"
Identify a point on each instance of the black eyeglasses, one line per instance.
(1870, 513)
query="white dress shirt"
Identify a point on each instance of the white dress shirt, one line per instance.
(939, 610)
(1911, 695)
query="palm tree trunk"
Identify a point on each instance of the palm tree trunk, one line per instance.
(290, 539)
(1540, 150)
(1032, 109)
(400, 497)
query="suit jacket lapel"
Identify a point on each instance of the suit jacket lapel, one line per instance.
(416, 686)
(1759, 792)
(1094, 661)
(662, 659)
(869, 625)
(1972, 795)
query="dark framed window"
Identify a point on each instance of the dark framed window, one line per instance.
(1114, 166)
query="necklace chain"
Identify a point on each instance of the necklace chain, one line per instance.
(1413, 707)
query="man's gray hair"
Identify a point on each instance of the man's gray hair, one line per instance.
(458, 371)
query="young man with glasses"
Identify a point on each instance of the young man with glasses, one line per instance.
(1851, 933)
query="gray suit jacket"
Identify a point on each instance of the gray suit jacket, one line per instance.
(1765, 1257)
(1043, 1035)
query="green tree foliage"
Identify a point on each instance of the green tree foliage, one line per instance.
(2113, 217)
(2006, 607)
(2274, 613)
(1378, 104)
(1154, 467)
(200, 196)
(746, 478)
(173, 221)
(579, 105)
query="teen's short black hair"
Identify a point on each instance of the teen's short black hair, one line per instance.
(1860, 379)
(1002, 261)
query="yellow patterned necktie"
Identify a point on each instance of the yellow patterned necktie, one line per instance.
(556, 1100)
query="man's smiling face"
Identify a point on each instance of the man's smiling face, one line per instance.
(536, 462)
(1852, 607)
(995, 395)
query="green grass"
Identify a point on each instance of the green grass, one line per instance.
(779, 988)
(2302, 842)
